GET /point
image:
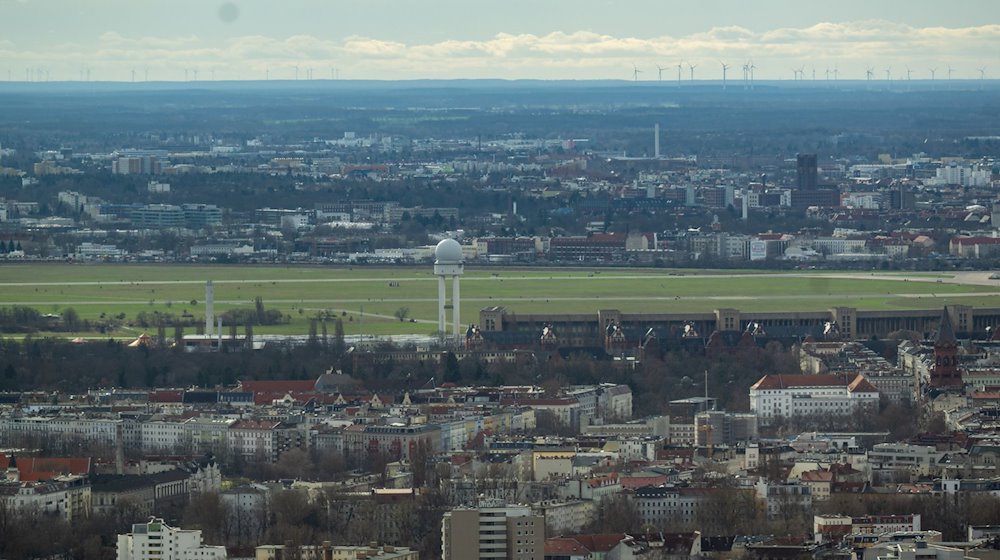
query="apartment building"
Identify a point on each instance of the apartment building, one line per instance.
(157, 540)
(503, 532)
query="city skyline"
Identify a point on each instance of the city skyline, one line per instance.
(191, 41)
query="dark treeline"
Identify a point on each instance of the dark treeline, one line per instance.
(48, 364)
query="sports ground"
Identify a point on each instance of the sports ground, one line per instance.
(367, 297)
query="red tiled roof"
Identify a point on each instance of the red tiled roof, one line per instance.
(976, 240)
(633, 482)
(600, 542)
(34, 469)
(861, 385)
(564, 546)
(772, 382)
(816, 476)
(166, 396)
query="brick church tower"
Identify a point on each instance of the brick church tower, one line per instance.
(945, 373)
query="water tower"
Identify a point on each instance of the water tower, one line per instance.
(449, 261)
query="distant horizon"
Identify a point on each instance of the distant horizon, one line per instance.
(194, 40)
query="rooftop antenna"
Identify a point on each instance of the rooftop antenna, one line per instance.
(635, 73)
(680, 68)
(659, 72)
(724, 68)
(692, 67)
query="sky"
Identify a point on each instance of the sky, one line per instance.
(175, 40)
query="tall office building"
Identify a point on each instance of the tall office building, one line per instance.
(509, 532)
(808, 175)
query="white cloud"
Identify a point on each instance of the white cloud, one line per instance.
(851, 46)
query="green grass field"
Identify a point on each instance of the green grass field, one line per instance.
(301, 292)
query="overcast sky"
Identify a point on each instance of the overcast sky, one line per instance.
(564, 39)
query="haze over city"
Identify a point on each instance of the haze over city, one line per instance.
(117, 40)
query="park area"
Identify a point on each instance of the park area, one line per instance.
(403, 300)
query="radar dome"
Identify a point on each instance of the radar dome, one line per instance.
(448, 251)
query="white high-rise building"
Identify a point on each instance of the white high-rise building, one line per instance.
(156, 539)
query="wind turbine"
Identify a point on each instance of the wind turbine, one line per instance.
(185, 74)
(692, 67)
(195, 72)
(982, 76)
(836, 73)
(869, 73)
(724, 68)
(659, 72)
(146, 73)
(680, 68)
(909, 73)
(888, 74)
(635, 73)
(752, 68)
(828, 73)
(296, 72)
(133, 75)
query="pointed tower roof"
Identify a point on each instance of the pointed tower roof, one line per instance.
(946, 333)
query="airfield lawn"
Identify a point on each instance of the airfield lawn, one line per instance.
(301, 292)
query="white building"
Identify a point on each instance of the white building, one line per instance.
(157, 540)
(658, 505)
(788, 396)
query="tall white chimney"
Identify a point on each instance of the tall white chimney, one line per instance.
(209, 311)
(656, 140)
